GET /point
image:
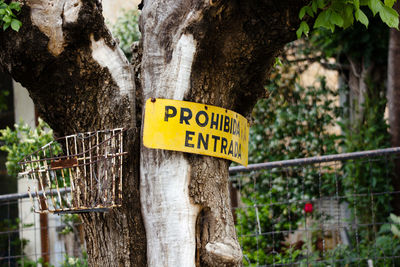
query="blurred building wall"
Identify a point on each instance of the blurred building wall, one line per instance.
(112, 9)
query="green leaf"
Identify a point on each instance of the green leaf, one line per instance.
(336, 19)
(302, 12)
(309, 11)
(395, 230)
(304, 28)
(314, 6)
(323, 20)
(357, 4)
(361, 17)
(16, 24)
(5, 26)
(7, 19)
(389, 3)
(375, 6)
(2, 11)
(347, 15)
(15, 5)
(8, 11)
(321, 4)
(278, 62)
(395, 219)
(389, 16)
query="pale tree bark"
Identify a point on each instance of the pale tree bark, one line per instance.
(364, 80)
(176, 209)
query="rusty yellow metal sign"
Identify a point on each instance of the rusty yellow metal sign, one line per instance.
(196, 128)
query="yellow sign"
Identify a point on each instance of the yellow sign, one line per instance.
(196, 128)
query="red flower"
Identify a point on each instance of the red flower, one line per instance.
(308, 208)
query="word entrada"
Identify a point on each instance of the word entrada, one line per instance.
(196, 128)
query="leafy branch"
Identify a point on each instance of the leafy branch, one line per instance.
(330, 14)
(8, 15)
(23, 141)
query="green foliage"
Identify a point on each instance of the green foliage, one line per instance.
(330, 14)
(23, 141)
(69, 261)
(26, 262)
(8, 15)
(12, 244)
(126, 29)
(368, 131)
(75, 261)
(381, 249)
(292, 123)
(356, 43)
(70, 220)
(11, 241)
(395, 226)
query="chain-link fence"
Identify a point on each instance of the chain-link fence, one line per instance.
(322, 211)
(29, 239)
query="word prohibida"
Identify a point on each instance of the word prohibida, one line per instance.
(196, 128)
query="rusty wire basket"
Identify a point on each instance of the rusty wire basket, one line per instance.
(77, 173)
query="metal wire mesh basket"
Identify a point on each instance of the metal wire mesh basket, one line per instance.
(77, 173)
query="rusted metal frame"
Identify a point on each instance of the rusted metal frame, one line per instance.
(63, 163)
(105, 197)
(121, 153)
(74, 211)
(65, 186)
(49, 181)
(23, 161)
(34, 187)
(59, 189)
(91, 200)
(71, 178)
(51, 173)
(97, 169)
(92, 133)
(98, 208)
(314, 160)
(57, 186)
(65, 157)
(30, 197)
(84, 173)
(79, 165)
(112, 141)
(77, 175)
(105, 157)
(39, 171)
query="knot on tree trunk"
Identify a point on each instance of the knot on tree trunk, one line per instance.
(226, 253)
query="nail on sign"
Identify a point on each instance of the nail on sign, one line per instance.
(196, 128)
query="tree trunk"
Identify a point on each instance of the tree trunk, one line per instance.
(364, 81)
(217, 54)
(393, 97)
(211, 52)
